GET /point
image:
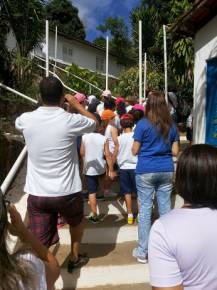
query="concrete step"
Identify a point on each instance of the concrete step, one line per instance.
(137, 286)
(115, 276)
(113, 229)
(100, 254)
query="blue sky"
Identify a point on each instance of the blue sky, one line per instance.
(93, 13)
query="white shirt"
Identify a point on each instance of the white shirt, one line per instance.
(94, 162)
(50, 134)
(125, 158)
(108, 136)
(182, 249)
(38, 268)
(100, 108)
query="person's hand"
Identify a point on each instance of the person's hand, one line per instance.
(74, 104)
(16, 227)
(112, 174)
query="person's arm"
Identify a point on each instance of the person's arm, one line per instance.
(175, 148)
(115, 153)
(176, 142)
(114, 134)
(109, 161)
(178, 287)
(138, 136)
(79, 108)
(136, 148)
(18, 228)
(82, 150)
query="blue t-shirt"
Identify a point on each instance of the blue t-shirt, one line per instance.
(155, 154)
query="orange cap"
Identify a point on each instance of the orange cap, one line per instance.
(107, 115)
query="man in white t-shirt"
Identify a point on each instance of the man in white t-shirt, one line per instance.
(53, 182)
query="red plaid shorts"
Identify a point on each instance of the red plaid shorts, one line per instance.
(43, 214)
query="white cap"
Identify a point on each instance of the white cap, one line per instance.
(129, 108)
(91, 98)
(106, 93)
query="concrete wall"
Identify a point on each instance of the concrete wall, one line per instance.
(205, 48)
(85, 56)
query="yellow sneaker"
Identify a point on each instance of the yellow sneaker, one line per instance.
(130, 219)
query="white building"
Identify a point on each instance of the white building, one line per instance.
(201, 23)
(80, 52)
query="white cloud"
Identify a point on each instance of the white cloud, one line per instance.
(89, 11)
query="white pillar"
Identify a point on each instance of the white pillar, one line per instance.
(165, 63)
(55, 53)
(145, 75)
(47, 48)
(107, 60)
(140, 61)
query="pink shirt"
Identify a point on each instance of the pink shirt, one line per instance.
(183, 249)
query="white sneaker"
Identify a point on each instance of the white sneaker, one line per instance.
(142, 260)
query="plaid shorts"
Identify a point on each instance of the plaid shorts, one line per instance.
(43, 214)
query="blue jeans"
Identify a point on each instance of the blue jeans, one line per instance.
(147, 184)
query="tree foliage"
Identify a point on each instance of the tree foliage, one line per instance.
(25, 20)
(155, 13)
(129, 80)
(65, 16)
(100, 41)
(119, 39)
(85, 74)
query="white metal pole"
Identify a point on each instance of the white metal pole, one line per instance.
(18, 93)
(6, 183)
(47, 48)
(145, 75)
(107, 60)
(140, 61)
(165, 63)
(55, 53)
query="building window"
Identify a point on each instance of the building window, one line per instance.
(64, 50)
(99, 64)
(70, 51)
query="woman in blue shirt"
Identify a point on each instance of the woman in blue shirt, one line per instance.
(156, 140)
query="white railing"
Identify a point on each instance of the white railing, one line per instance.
(65, 86)
(10, 176)
(65, 71)
(18, 93)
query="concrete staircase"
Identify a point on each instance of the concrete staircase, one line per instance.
(109, 245)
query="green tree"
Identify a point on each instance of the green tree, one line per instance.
(25, 18)
(80, 85)
(65, 16)
(155, 13)
(119, 40)
(129, 80)
(100, 41)
(4, 55)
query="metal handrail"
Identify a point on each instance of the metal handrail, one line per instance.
(18, 93)
(10, 176)
(65, 86)
(79, 78)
